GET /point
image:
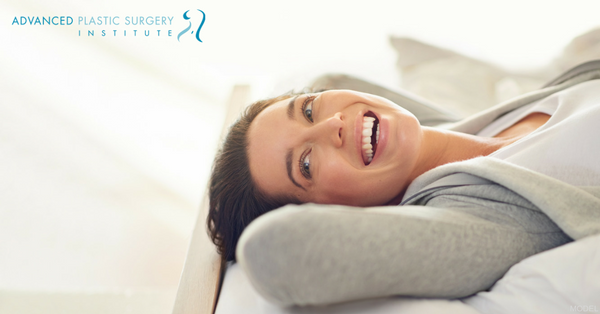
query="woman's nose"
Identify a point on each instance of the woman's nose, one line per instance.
(330, 130)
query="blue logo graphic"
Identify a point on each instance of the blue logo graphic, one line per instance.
(190, 25)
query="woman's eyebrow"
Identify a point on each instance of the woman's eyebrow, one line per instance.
(290, 108)
(288, 165)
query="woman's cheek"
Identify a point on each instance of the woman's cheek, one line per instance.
(339, 185)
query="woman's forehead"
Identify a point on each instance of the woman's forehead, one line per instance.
(272, 112)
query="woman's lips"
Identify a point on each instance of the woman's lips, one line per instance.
(358, 128)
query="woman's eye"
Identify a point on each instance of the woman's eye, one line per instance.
(305, 165)
(307, 108)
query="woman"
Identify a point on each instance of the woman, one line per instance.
(349, 148)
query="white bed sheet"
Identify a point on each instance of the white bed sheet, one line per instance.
(562, 280)
(565, 279)
(238, 296)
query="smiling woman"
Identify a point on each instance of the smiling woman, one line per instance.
(487, 198)
(312, 148)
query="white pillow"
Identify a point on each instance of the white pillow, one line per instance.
(460, 83)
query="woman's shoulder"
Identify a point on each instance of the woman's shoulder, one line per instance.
(575, 210)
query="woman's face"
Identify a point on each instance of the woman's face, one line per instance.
(316, 148)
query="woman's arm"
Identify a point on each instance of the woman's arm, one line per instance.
(318, 254)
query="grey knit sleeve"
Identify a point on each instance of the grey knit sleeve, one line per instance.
(323, 254)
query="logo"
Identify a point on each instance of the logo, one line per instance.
(129, 26)
(185, 17)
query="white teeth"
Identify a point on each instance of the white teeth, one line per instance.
(366, 133)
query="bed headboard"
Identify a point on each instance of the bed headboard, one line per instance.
(200, 280)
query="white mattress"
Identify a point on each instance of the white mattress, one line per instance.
(562, 280)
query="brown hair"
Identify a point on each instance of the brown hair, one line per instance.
(235, 200)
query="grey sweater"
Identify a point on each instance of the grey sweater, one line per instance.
(462, 226)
